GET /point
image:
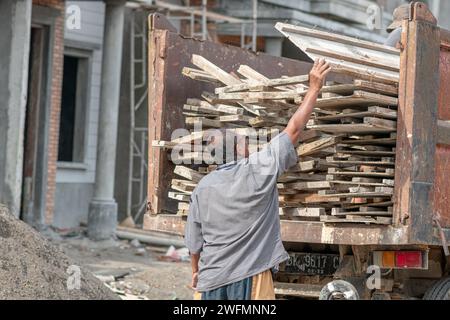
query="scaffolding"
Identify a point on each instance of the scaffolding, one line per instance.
(138, 146)
(201, 15)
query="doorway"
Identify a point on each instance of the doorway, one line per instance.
(36, 123)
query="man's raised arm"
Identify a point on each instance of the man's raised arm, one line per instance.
(300, 118)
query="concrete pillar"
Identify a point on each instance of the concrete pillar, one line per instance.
(102, 218)
(15, 24)
(273, 46)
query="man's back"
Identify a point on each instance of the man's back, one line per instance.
(233, 217)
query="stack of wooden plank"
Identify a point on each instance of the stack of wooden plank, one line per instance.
(345, 172)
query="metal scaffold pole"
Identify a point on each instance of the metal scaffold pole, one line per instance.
(255, 24)
(136, 196)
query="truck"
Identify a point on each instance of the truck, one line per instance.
(407, 259)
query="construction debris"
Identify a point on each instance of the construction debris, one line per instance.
(32, 268)
(345, 171)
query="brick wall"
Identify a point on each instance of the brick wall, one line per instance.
(55, 104)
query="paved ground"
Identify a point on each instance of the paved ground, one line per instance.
(138, 272)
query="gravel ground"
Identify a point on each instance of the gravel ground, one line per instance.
(33, 268)
(133, 271)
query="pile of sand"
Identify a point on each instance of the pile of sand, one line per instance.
(33, 268)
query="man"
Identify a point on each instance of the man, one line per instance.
(395, 28)
(233, 227)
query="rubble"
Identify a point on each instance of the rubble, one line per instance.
(33, 268)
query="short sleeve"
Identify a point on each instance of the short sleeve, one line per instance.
(275, 158)
(193, 236)
(283, 151)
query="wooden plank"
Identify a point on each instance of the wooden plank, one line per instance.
(199, 75)
(179, 196)
(358, 99)
(170, 145)
(250, 96)
(339, 212)
(309, 198)
(353, 219)
(235, 118)
(355, 183)
(204, 122)
(317, 145)
(362, 60)
(251, 86)
(310, 185)
(214, 70)
(290, 177)
(192, 157)
(310, 166)
(381, 123)
(251, 74)
(184, 206)
(351, 128)
(194, 136)
(220, 107)
(336, 38)
(373, 141)
(336, 172)
(382, 88)
(347, 163)
(188, 173)
(371, 112)
(371, 154)
(371, 204)
(302, 212)
(201, 109)
(358, 195)
(267, 121)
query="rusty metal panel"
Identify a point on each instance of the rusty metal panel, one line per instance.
(312, 232)
(442, 159)
(168, 90)
(417, 125)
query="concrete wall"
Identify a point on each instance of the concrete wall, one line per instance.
(75, 181)
(15, 19)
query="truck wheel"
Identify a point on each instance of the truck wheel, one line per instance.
(339, 290)
(439, 291)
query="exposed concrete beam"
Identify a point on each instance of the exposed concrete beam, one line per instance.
(15, 25)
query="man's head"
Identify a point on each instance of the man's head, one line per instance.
(400, 13)
(227, 146)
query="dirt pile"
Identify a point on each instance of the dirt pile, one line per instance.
(33, 268)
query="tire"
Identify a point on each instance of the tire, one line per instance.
(339, 287)
(439, 291)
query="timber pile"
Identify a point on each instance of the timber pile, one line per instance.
(345, 172)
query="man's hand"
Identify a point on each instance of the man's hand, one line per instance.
(195, 257)
(318, 74)
(316, 80)
(194, 280)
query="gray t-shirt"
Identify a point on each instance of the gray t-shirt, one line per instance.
(233, 219)
(393, 38)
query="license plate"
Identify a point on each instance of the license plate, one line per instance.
(312, 263)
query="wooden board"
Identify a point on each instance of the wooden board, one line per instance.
(362, 128)
(362, 59)
(357, 99)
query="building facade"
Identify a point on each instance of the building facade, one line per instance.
(73, 115)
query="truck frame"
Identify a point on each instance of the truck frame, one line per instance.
(421, 212)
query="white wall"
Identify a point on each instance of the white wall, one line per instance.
(74, 186)
(91, 35)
